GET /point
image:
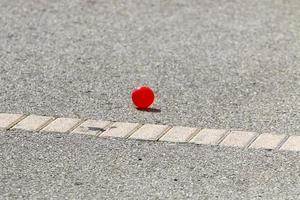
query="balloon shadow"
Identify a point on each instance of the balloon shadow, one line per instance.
(154, 110)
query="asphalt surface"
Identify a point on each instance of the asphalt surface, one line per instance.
(213, 64)
(61, 166)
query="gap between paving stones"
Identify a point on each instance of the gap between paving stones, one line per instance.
(150, 132)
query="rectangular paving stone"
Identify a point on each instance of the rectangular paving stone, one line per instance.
(7, 119)
(62, 125)
(267, 141)
(292, 144)
(119, 129)
(149, 132)
(91, 127)
(208, 136)
(32, 122)
(178, 134)
(238, 138)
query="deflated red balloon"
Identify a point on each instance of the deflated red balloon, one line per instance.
(142, 96)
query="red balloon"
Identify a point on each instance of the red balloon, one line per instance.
(142, 96)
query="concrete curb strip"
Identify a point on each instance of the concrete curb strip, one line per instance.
(150, 132)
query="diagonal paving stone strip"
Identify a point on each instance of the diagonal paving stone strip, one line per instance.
(209, 136)
(267, 141)
(7, 120)
(238, 139)
(32, 122)
(151, 132)
(292, 144)
(62, 125)
(120, 129)
(178, 134)
(91, 127)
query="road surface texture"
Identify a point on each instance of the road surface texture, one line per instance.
(61, 166)
(213, 64)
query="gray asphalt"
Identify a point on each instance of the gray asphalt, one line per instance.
(214, 64)
(61, 166)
